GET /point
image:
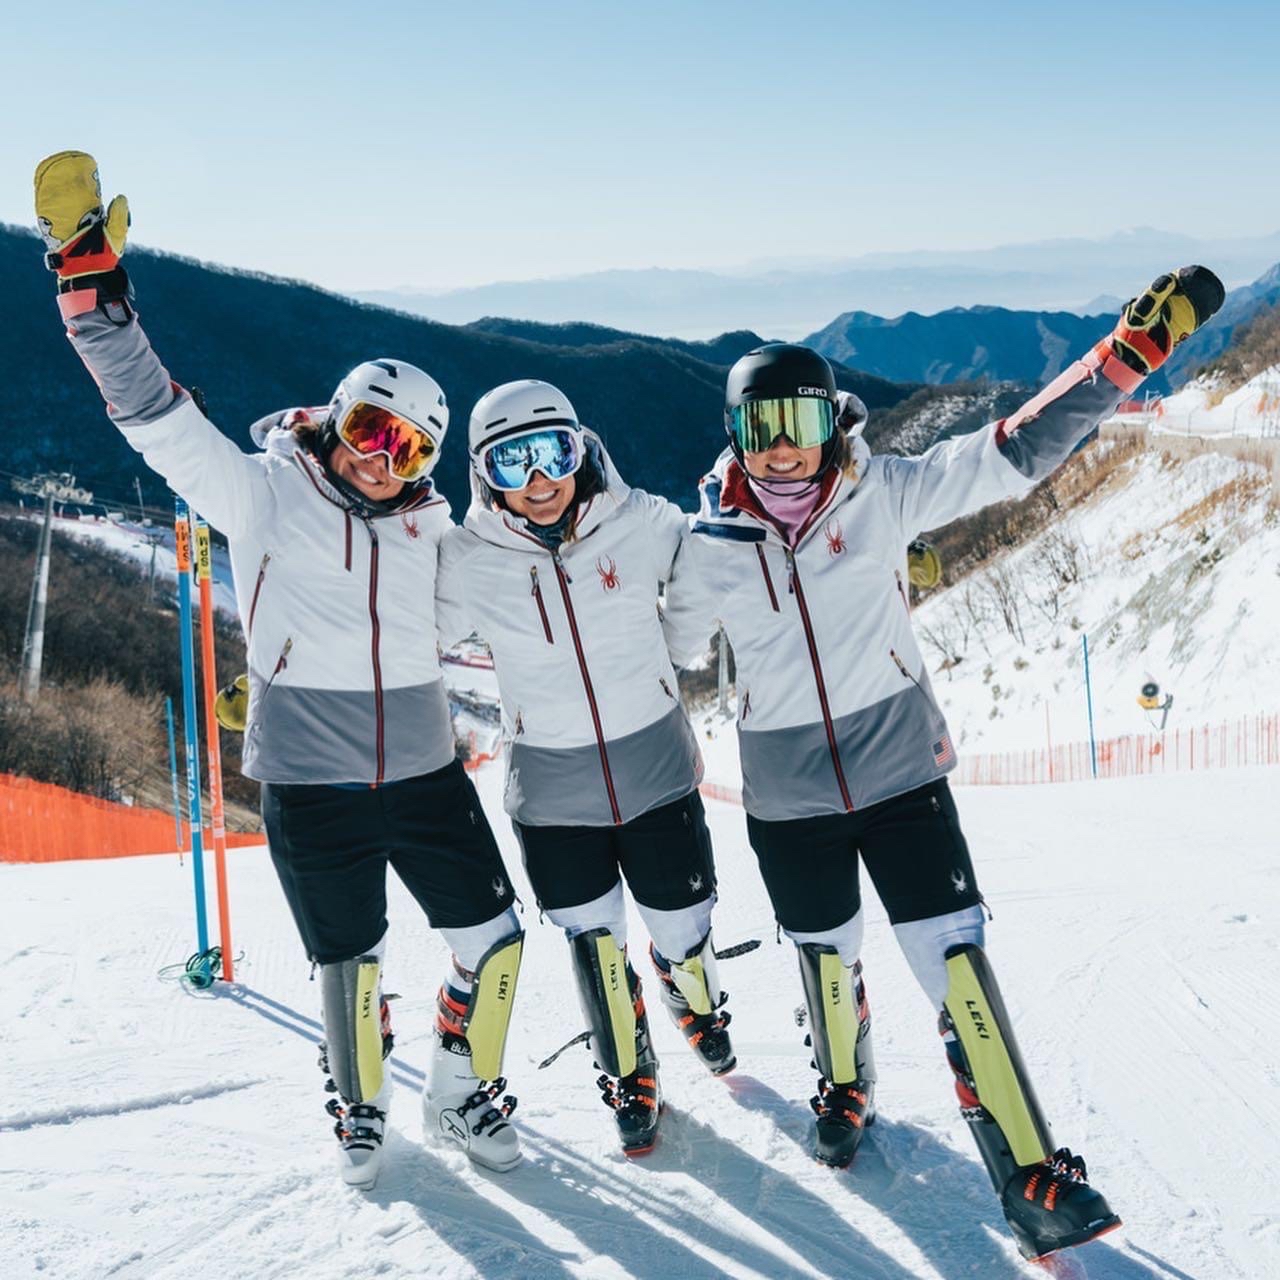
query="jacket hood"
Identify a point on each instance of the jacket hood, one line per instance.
(504, 528)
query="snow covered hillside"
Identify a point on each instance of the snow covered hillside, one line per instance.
(148, 1132)
(1205, 408)
(128, 538)
(1172, 570)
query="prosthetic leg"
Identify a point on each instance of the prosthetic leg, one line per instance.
(473, 1014)
(619, 1032)
(690, 992)
(1044, 1193)
(358, 1037)
(840, 1022)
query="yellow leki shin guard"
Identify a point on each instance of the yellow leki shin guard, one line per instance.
(1045, 1193)
(982, 1025)
(488, 1015)
(353, 1026)
(840, 1032)
(605, 991)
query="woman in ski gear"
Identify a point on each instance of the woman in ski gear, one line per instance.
(333, 527)
(558, 566)
(797, 550)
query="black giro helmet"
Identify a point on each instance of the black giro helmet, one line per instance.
(775, 372)
(780, 371)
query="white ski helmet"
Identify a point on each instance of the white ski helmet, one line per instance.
(400, 387)
(520, 406)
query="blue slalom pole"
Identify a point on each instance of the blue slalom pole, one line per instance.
(182, 531)
(1088, 693)
(178, 842)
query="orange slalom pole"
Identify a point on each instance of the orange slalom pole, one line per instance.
(204, 575)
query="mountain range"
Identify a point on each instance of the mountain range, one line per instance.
(253, 344)
(787, 300)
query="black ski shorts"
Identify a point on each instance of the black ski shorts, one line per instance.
(912, 846)
(665, 856)
(331, 847)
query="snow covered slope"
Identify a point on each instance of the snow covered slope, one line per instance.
(147, 1132)
(1173, 572)
(125, 537)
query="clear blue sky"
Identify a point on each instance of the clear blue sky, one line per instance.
(368, 145)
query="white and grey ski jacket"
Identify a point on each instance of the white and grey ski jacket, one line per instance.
(835, 710)
(592, 720)
(337, 607)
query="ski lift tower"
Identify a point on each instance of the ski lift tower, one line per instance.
(51, 488)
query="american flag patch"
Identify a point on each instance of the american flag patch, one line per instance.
(942, 752)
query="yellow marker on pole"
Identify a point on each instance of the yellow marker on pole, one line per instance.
(204, 576)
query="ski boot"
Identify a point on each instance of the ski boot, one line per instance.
(360, 1126)
(619, 1037)
(461, 1108)
(691, 994)
(1043, 1189)
(459, 1101)
(357, 1041)
(840, 1036)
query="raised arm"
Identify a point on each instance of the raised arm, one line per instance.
(155, 415)
(1006, 458)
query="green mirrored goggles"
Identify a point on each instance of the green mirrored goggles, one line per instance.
(805, 420)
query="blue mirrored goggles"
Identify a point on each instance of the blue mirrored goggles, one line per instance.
(509, 464)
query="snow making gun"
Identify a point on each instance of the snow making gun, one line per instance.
(1150, 701)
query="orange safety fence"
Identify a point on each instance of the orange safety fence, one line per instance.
(40, 822)
(1231, 744)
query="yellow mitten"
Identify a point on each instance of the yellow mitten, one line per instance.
(1172, 309)
(924, 565)
(82, 238)
(231, 707)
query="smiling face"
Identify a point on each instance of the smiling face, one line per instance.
(368, 476)
(543, 501)
(783, 461)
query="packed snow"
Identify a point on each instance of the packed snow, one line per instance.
(146, 1131)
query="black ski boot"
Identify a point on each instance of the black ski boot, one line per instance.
(636, 1099)
(1050, 1205)
(707, 1033)
(844, 1111)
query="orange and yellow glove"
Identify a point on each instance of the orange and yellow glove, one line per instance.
(83, 237)
(1172, 309)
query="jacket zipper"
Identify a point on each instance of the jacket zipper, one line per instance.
(377, 656)
(542, 608)
(563, 579)
(347, 557)
(768, 581)
(798, 590)
(902, 594)
(257, 590)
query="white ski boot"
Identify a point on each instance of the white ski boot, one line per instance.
(360, 1128)
(458, 1107)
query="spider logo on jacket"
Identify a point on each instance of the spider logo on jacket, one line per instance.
(608, 572)
(835, 537)
(410, 525)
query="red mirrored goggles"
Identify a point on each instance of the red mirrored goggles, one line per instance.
(369, 429)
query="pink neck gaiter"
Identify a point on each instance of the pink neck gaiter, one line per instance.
(788, 510)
